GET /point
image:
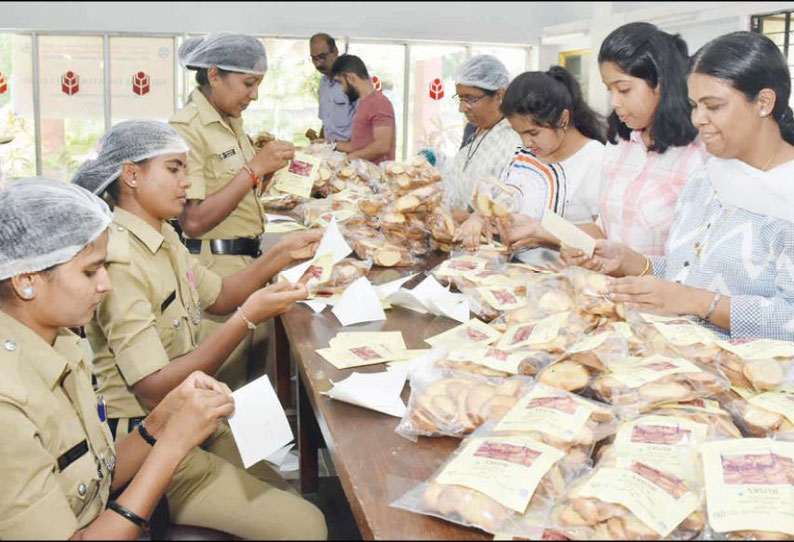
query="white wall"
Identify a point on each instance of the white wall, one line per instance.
(499, 22)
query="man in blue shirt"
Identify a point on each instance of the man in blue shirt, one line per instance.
(336, 111)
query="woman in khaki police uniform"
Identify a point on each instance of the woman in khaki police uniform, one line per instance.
(58, 462)
(144, 333)
(224, 218)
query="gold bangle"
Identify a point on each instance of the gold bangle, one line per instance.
(647, 266)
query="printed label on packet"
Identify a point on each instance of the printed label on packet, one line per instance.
(778, 402)
(548, 410)
(758, 349)
(506, 469)
(540, 332)
(749, 485)
(502, 298)
(473, 331)
(664, 442)
(463, 265)
(488, 356)
(643, 371)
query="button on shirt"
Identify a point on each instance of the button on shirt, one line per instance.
(56, 456)
(152, 315)
(336, 111)
(218, 151)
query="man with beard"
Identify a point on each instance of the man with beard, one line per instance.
(374, 130)
(336, 111)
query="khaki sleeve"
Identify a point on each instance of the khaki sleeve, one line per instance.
(32, 503)
(126, 318)
(208, 283)
(196, 158)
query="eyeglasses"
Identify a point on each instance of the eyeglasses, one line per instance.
(321, 57)
(471, 101)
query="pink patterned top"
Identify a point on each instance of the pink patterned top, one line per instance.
(639, 190)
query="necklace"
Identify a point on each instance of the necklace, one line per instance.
(473, 149)
(780, 146)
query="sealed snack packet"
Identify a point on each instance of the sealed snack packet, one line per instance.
(646, 485)
(639, 384)
(591, 289)
(497, 483)
(277, 201)
(468, 265)
(490, 301)
(343, 274)
(553, 334)
(760, 414)
(761, 364)
(749, 485)
(549, 294)
(561, 419)
(675, 335)
(449, 403)
(402, 178)
(493, 198)
(483, 360)
(441, 225)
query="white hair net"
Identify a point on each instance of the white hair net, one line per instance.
(483, 71)
(230, 52)
(130, 141)
(44, 222)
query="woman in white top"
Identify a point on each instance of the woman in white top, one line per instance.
(557, 168)
(480, 85)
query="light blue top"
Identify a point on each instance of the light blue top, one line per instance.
(744, 254)
(336, 111)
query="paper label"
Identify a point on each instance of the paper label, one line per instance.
(749, 485)
(590, 342)
(461, 266)
(659, 499)
(299, 175)
(778, 402)
(502, 298)
(473, 331)
(708, 406)
(567, 233)
(491, 357)
(341, 215)
(357, 356)
(684, 333)
(650, 369)
(506, 469)
(548, 410)
(541, 332)
(393, 340)
(667, 443)
(759, 349)
(744, 393)
(489, 277)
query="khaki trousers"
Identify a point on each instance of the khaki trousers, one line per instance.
(211, 489)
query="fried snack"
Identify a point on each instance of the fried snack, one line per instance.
(760, 365)
(590, 288)
(760, 414)
(566, 375)
(676, 336)
(343, 274)
(402, 178)
(278, 201)
(419, 200)
(441, 226)
(493, 198)
(262, 139)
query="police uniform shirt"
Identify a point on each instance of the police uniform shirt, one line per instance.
(152, 315)
(57, 456)
(218, 151)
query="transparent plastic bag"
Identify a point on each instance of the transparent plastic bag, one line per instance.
(343, 274)
(489, 301)
(550, 294)
(465, 264)
(761, 365)
(590, 288)
(277, 201)
(493, 198)
(676, 335)
(441, 226)
(761, 414)
(496, 483)
(451, 403)
(402, 178)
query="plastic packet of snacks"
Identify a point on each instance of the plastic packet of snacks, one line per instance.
(761, 364)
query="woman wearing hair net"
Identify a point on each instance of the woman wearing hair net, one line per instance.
(144, 333)
(224, 219)
(480, 85)
(59, 462)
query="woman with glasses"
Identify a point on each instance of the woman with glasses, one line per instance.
(224, 219)
(480, 85)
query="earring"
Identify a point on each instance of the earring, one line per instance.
(28, 292)
(763, 113)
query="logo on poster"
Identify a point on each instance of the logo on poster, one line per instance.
(377, 83)
(140, 83)
(70, 83)
(3, 83)
(436, 89)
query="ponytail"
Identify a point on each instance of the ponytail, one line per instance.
(786, 123)
(544, 96)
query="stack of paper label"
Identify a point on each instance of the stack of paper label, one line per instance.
(357, 349)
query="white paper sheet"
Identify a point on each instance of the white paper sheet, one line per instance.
(278, 218)
(359, 303)
(279, 456)
(378, 391)
(259, 425)
(388, 288)
(318, 305)
(567, 233)
(430, 297)
(332, 242)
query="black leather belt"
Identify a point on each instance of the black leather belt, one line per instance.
(239, 247)
(132, 423)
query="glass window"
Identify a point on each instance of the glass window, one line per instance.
(141, 78)
(577, 63)
(17, 158)
(71, 81)
(287, 103)
(778, 27)
(514, 58)
(386, 65)
(434, 120)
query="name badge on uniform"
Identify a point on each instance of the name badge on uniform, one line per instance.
(227, 154)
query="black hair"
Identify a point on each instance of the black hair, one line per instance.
(7, 293)
(544, 96)
(642, 50)
(328, 40)
(112, 193)
(349, 64)
(750, 62)
(203, 79)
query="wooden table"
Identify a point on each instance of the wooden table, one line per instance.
(375, 465)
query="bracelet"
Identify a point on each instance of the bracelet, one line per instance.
(713, 306)
(254, 177)
(647, 266)
(250, 324)
(127, 514)
(146, 435)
